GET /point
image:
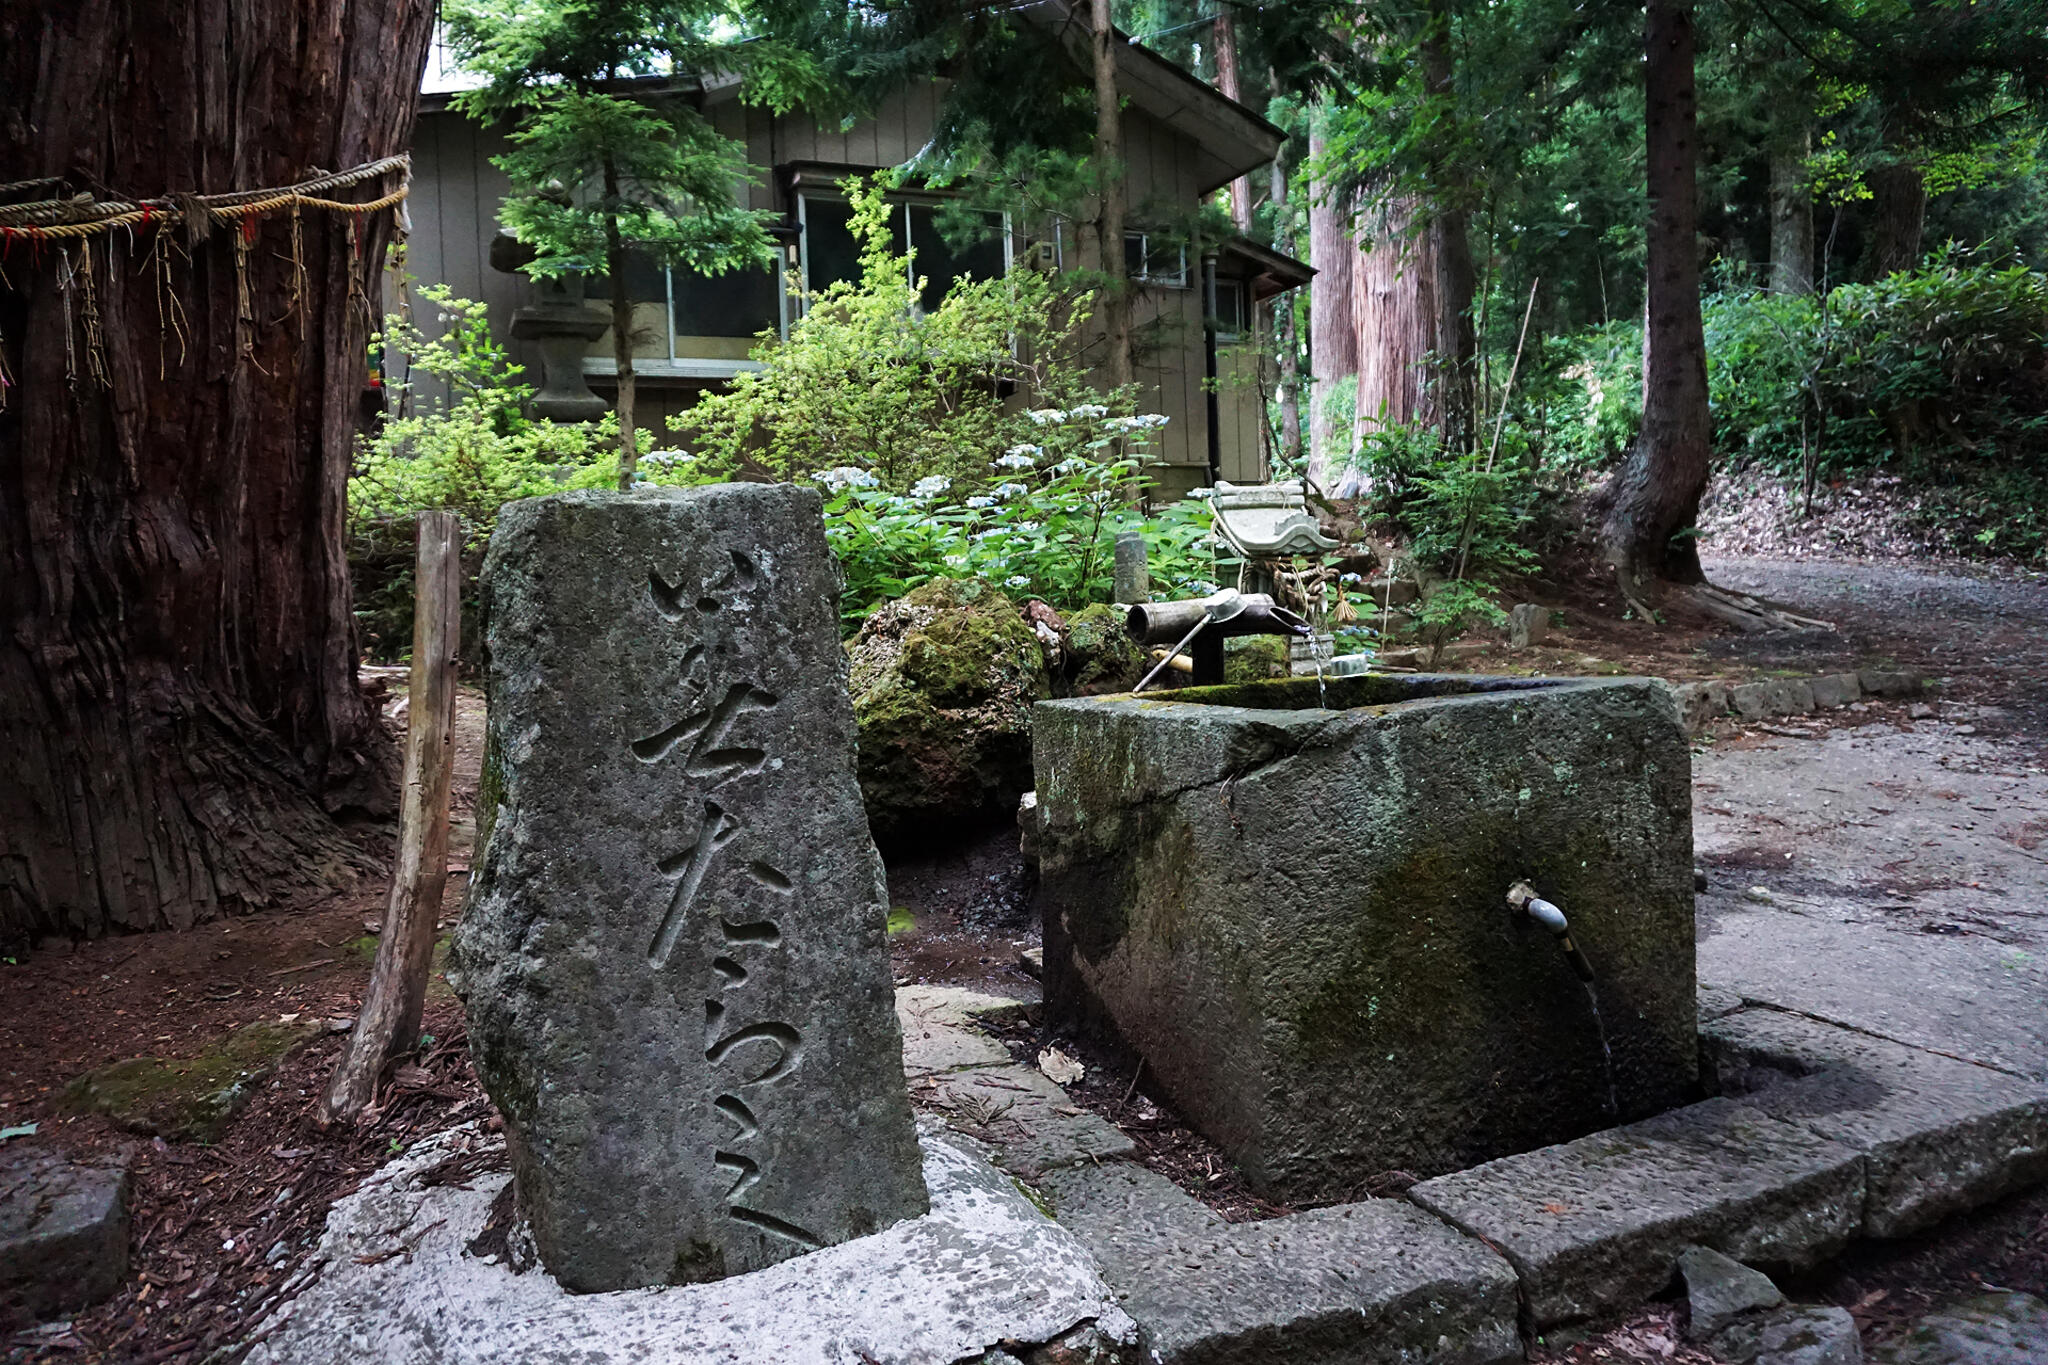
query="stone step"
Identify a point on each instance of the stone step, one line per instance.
(1379, 1280)
(1597, 1225)
(1939, 1135)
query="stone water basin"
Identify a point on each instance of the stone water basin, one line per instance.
(1290, 899)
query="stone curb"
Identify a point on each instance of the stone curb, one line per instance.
(1595, 1226)
(1939, 1135)
(1379, 1280)
(1700, 704)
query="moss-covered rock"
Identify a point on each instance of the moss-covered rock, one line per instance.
(1101, 656)
(943, 681)
(188, 1099)
(1255, 658)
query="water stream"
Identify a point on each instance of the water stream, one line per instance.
(1606, 1051)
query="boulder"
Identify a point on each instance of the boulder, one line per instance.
(1719, 1289)
(1797, 1335)
(1528, 624)
(943, 681)
(1100, 655)
(2007, 1328)
(63, 1235)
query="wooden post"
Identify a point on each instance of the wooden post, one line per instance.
(389, 1020)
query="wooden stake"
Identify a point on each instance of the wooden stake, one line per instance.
(389, 1020)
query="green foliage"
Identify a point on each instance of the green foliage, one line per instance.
(596, 167)
(869, 380)
(461, 443)
(1046, 530)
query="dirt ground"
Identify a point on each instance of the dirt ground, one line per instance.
(220, 1231)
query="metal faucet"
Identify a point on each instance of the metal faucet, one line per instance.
(1523, 897)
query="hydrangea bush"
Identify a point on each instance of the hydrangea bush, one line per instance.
(1045, 526)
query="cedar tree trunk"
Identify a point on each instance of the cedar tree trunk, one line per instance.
(622, 327)
(1656, 492)
(1115, 303)
(179, 717)
(1332, 326)
(1898, 193)
(1791, 221)
(1231, 86)
(1286, 333)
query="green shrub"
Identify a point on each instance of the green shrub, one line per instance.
(1046, 529)
(461, 443)
(869, 379)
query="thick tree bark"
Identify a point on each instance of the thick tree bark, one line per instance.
(1898, 216)
(1655, 494)
(1413, 302)
(1332, 325)
(179, 715)
(1791, 221)
(1114, 305)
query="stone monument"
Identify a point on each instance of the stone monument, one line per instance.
(674, 958)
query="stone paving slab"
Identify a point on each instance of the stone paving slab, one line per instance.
(1939, 1135)
(985, 1268)
(1024, 1117)
(1597, 1225)
(1380, 1280)
(63, 1234)
(1968, 996)
(2005, 1328)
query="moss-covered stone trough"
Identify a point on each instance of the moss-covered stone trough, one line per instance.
(1291, 901)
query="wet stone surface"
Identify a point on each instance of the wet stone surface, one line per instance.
(674, 959)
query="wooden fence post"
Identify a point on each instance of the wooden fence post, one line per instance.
(389, 1020)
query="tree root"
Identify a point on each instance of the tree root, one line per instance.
(1747, 613)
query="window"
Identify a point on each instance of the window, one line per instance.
(830, 254)
(1233, 309)
(681, 316)
(1154, 258)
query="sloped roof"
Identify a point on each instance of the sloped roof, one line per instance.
(1230, 140)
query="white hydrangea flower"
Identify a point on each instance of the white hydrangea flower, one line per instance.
(1073, 464)
(1018, 457)
(979, 502)
(930, 486)
(1201, 492)
(846, 476)
(1009, 490)
(1144, 421)
(1016, 581)
(1027, 526)
(1046, 416)
(956, 561)
(1087, 410)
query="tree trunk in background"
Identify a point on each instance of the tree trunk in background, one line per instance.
(1114, 306)
(1285, 334)
(1791, 221)
(1332, 325)
(622, 332)
(1452, 388)
(1898, 213)
(179, 715)
(1395, 316)
(1656, 492)
(1232, 88)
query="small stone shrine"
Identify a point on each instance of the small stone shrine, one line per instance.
(674, 958)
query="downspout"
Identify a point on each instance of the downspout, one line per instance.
(1213, 404)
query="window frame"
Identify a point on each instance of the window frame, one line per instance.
(906, 201)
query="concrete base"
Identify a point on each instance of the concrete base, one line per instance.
(984, 1268)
